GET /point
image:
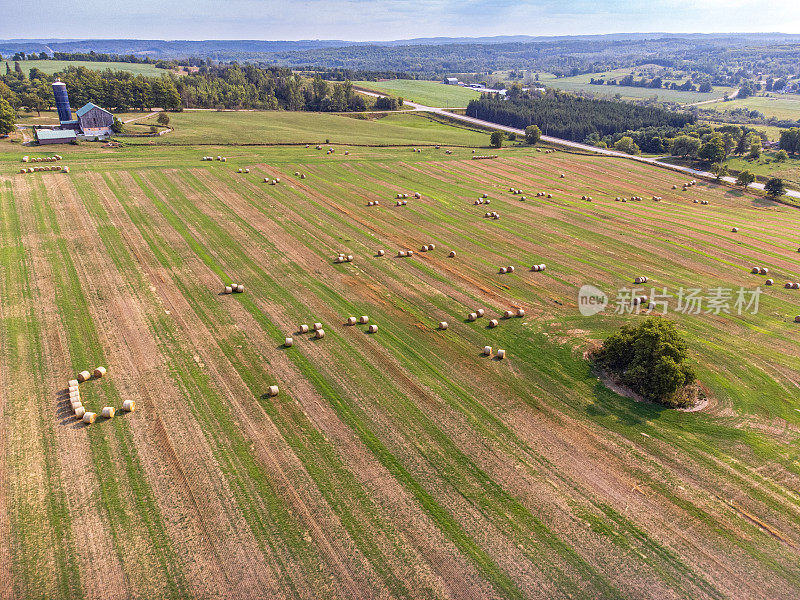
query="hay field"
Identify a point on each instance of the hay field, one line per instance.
(399, 464)
(429, 93)
(55, 66)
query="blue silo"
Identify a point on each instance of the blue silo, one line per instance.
(62, 101)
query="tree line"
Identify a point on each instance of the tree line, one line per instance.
(572, 117)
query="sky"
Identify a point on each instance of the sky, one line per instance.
(363, 20)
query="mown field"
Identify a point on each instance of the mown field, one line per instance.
(399, 464)
(780, 106)
(766, 166)
(580, 83)
(429, 93)
(55, 66)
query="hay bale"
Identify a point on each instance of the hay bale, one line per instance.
(535, 268)
(424, 248)
(480, 312)
(764, 271)
(288, 342)
(303, 328)
(319, 334)
(510, 269)
(452, 254)
(472, 316)
(484, 195)
(99, 372)
(364, 319)
(79, 413)
(240, 289)
(273, 390)
(84, 376)
(487, 350)
(755, 270)
(796, 286)
(769, 282)
(508, 314)
(788, 285)
(372, 329)
(89, 417)
(503, 270)
(303, 176)
(542, 267)
(443, 325)
(494, 323)
(734, 229)
(797, 319)
(402, 253)
(520, 312)
(108, 412)
(351, 320)
(487, 201)
(501, 354)
(72, 383)
(129, 405)
(381, 252)
(410, 253)
(317, 326)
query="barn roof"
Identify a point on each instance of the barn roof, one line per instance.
(87, 107)
(55, 134)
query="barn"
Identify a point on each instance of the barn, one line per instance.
(94, 121)
(55, 136)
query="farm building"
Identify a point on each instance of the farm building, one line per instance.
(451, 80)
(91, 122)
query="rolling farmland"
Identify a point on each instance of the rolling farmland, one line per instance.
(398, 464)
(55, 66)
(429, 93)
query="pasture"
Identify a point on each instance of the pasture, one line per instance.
(56, 66)
(780, 106)
(429, 93)
(402, 463)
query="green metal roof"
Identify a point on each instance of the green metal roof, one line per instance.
(55, 134)
(87, 107)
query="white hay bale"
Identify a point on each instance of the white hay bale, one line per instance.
(240, 289)
(480, 312)
(424, 248)
(796, 286)
(503, 270)
(303, 176)
(472, 316)
(494, 323)
(769, 282)
(99, 372)
(304, 328)
(535, 268)
(764, 271)
(452, 254)
(417, 195)
(228, 289)
(510, 269)
(734, 229)
(508, 314)
(410, 253)
(89, 417)
(487, 350)
(73, 383)
(520, 312)
(381, 252)
(402, 253)
(84, 376)
(364, 319)
(443, 325)
(317, 326)
(319, 333)
(755, 270)
(273, 390)
(79, 413)
(351, 320)
(501, 354)
(487, 201)
(288, 342)
(372, 329)
(788, 285)
(129, 405)
(297, 173)
(108, 412)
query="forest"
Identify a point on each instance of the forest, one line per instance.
(572, 117)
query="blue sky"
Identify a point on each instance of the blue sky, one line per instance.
(385, 19)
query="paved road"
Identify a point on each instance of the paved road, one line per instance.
(577, 145)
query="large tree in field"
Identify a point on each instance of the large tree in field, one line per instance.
(496, 139)
(775, 187)
(745, 178)
(7, 117)
(533, 134)
(685, 146)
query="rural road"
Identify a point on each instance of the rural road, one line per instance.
(576, 145)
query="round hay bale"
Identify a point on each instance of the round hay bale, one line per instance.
(84, 376)
(472, 316)
(764, 271)
(769, 282)
(508, 314)
(542, 267)
(351, 320)
(364, 319)
(484, 195)
(273, 390)
(72, 383)
(108, 412)
(535, 268)
(452, 254)
(129, 405)
(297, 173)
(480, 312)
(562, 176)
(417, 195)
(443, 325)
(796, 286)
(431, 246)
(520, 312)
(503, 270)
(638, 280)
(239, 288)
(501, 354)
(288, 342)
(99, 372)
(425, 248)
(410, 253)
(372, 329)
(487, 350)
(487, 201)
(303, 176)
(319, 333)
(402, 253)
(303, 328)
(80, 412)
(797, 319)
(788, 285)
(381, 252)
(89, 417)
(510, 269)
(755, 270)
(494, 323)
(549, 195)
(734, 229)
(349, 258)
(317, 326)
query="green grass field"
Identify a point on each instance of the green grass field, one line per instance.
(54, 66)
(277, 127)
(429, 93)
(580, 83)
(766, 166)
(780, 106)
(401, 463)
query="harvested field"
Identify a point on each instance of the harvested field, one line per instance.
(403, 464)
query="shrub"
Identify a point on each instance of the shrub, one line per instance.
(650, 358)
(745, 178)
(781, 156)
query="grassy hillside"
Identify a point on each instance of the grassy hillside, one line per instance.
(401, 463)
(766, 166)
(783, 106)
(429, 93)
(54, 66)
